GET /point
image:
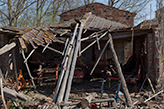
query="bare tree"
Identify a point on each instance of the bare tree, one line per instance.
(88, 1)
(130, 5)
(12, 9)
(159, 4)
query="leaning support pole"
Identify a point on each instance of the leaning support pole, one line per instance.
(15, 66)
(121, 77)
(2, 94)
(64, 82)
(28, 69)
(73, 64)
(7, 48)
(100, 56)
(65, 62)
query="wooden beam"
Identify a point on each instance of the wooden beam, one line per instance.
(57, 51)
(28, 70)
(64, 64)
(119, 71)
(2, 94)
(15, 66)
(73, 64)
(100, 56)
(93, 42)
(7, 48)
(154, 95)
(1, 76)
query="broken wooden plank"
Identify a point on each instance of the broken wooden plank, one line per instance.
(100, 56)
(15, 66)
(7, 48)
(73, 64)
(23, 55)
(151, 85)
(2, 94)
(64, 64)
(57, 51)
(154, 95)
(45, 47)
(1, 76)
(12, 94)
(93, 42)
(29, 55)
(22, 43)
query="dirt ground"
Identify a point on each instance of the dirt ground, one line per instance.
(44, 95)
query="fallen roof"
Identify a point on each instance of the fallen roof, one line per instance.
(37, 36)
(40, 35)
(94, 23)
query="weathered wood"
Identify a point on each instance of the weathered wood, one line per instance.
(119, 71)
(22, 43)
(1, 76)
(64, 82)
(29, 55)
(151, 85)
(29, 73)
(64, 64)
(154, 95)
(12, 94)
(90, 37)
(7, 48)
(100, 56)
(95, 101)
(93, 42)
(2, 95)
(65, 47)
(32, 43)
(57, 51)
(98, 44)
(73, 64)
(15, 66)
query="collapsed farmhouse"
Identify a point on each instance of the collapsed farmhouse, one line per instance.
(82, 46)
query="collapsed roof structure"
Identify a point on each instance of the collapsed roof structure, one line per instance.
(72, 34)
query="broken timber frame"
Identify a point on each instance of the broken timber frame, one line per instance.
(64, 64)
(121, 77)
(68, 64)
(28, 70)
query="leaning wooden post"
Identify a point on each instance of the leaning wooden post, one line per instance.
(121, 77)
(28, 70)
(73, 64)
(15, 66)
(64, 64)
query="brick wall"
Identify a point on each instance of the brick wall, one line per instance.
(150, 55)
(127, 49)
(101, 10)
